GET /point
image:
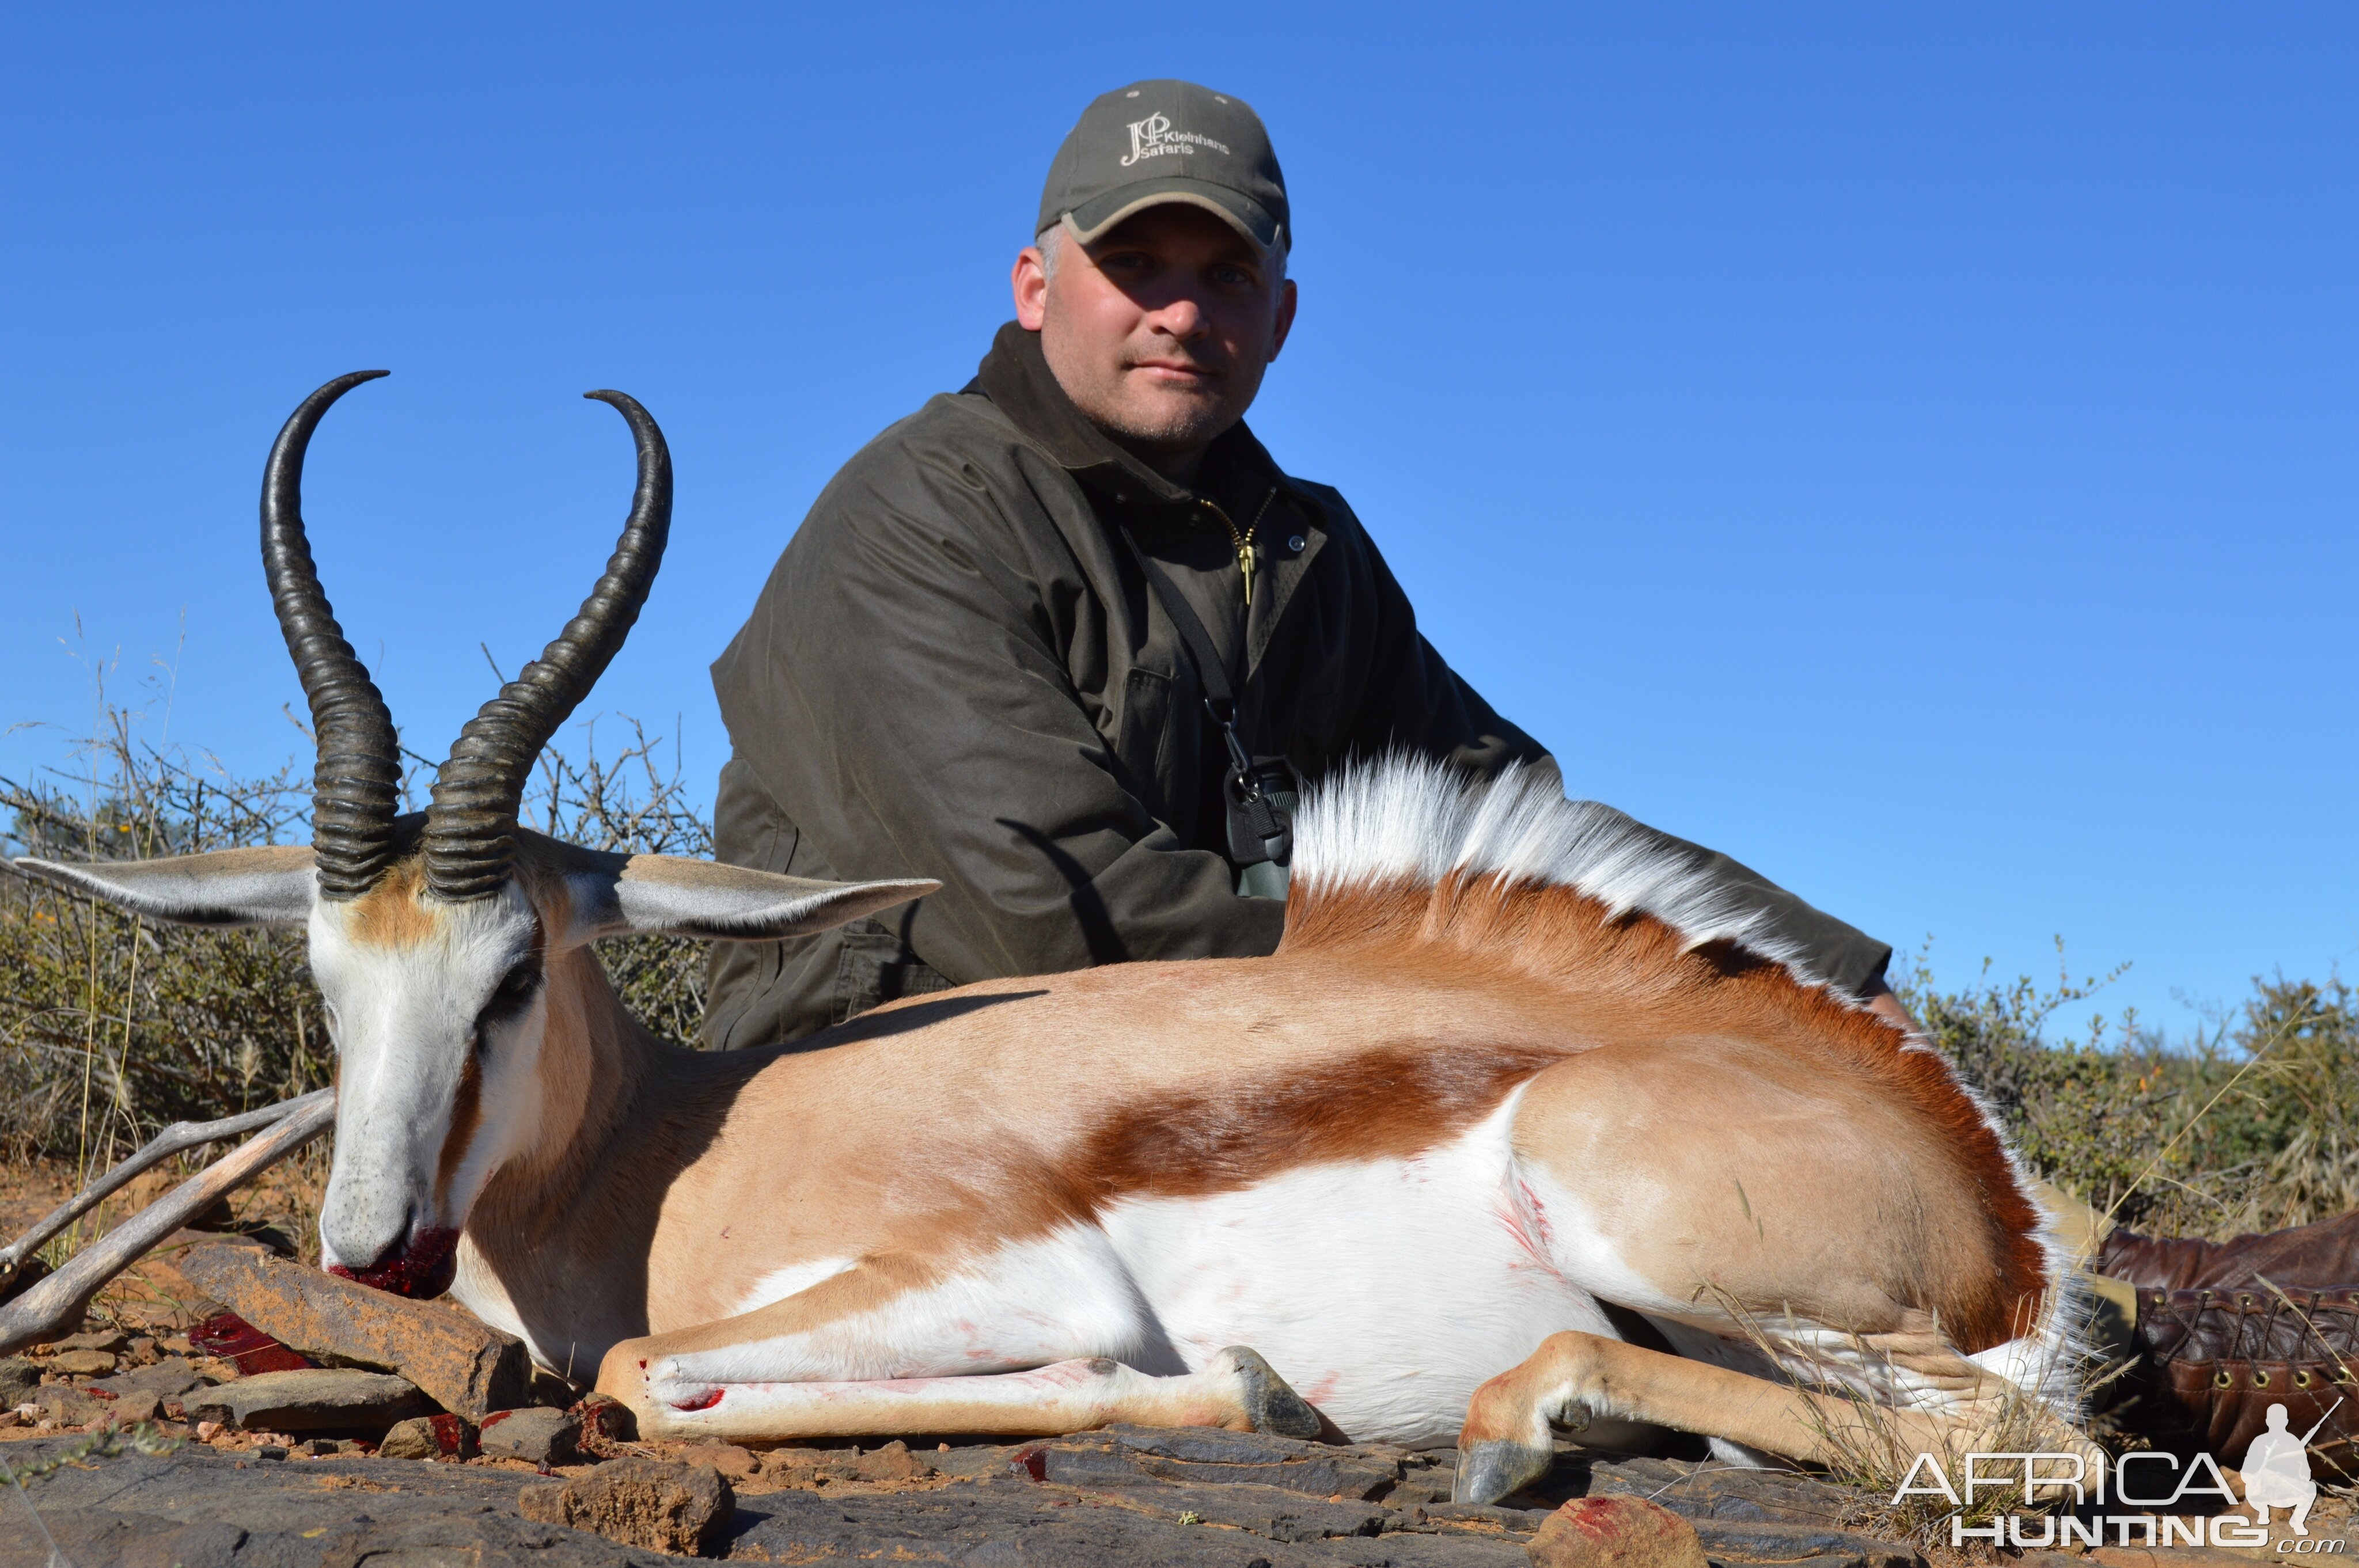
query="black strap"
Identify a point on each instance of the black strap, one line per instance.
(1210, 673)
(1268, 834)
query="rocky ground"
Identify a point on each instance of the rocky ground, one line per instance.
(1125, 1496)
(227, 1405)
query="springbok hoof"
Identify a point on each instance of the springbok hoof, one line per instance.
(1490, 1470)
(1271, 1405)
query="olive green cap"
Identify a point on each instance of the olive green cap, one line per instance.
(1158, 142)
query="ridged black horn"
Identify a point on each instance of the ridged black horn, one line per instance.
(356, 783)
(470, 826)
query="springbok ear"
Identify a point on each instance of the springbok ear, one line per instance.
(680, 897)
(270, 886)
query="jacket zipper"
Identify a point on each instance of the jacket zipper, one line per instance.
(1244, 543)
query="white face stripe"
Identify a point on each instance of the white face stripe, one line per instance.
(405, 1023)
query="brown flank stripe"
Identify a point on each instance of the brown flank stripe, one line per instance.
(1388, 1103)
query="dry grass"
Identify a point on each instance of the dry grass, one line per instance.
(112, 1027)
(1865, 1445)
(2253, 1126)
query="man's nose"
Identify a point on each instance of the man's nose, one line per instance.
(1182, 318)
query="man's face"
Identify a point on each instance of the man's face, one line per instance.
(1160, 331)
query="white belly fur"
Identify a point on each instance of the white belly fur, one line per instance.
(1384, 1291)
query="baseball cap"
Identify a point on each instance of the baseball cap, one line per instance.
(1156, 142)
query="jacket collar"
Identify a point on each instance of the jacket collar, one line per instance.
(1017, 378)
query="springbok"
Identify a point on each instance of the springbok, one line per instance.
(1514, 1092)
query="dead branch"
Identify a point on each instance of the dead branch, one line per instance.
(174, 1140)
(56, 1304)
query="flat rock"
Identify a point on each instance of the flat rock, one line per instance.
(1210, 1444)
(166, 1379)
(540, 1436)
(1200, 1457)
(1616, 1531)
(18, 1379)
(63, 1404)
(466, 1367)
(1271, 1512)
(1130, 1455)
(681, 1508)
(1736, 1541)
(83, 1363)
(438, 1436)
(1768, 1496)
(737, 1464)
(1009, 1521)
(323, 1400)
(205, 1509)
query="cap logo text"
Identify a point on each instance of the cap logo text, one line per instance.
(1154, 137)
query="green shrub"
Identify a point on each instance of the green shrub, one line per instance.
(2253, 1126)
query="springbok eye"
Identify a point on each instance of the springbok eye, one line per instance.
(515, 993)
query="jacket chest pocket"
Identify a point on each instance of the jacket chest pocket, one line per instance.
(1143, 737)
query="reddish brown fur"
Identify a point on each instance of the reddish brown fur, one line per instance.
(1391, 1101)
(1637, 978)
(392, 914)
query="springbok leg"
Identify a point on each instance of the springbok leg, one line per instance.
(58, 1302)
(1036, 1321)
(1236, 1389)
(1574, 1376)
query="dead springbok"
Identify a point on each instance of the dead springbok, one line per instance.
(1513, 1093)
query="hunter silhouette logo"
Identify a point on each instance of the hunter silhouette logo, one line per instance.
(2277, 1471)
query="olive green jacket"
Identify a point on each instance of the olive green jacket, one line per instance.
(957, 671)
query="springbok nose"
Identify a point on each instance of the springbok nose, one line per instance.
(421, 1266)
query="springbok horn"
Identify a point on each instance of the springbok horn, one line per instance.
(470, 826)
(355, 784)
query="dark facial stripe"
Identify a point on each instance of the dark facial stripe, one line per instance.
(466, 1116)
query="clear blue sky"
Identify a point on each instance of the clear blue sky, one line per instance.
(1908, 447)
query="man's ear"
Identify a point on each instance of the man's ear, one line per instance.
(270, 886)
(1029, 281)
(681, 897)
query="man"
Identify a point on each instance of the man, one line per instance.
(1063, 640)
